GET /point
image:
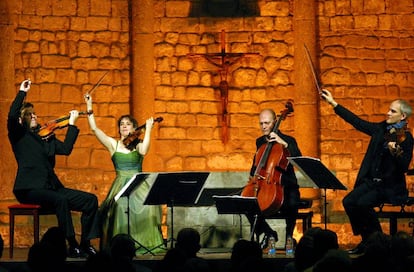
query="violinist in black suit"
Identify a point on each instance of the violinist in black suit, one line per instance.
(36, 181)
(381, 177)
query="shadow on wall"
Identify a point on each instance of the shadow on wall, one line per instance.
(215, 237)
(224, 8)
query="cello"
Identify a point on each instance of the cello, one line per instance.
(266, 183)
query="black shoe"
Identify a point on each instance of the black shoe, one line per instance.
(359, 249)
(76, 252)
(90, 250)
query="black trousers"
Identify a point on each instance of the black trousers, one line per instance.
(359, 205)
(63, 201)
(288, 208)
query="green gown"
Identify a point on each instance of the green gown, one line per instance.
(144, 220)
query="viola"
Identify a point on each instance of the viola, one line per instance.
(48, 129)
(270, 161)
(396, 135)
(133, 139)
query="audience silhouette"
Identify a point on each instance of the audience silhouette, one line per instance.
(101, 262)
(387, 253)
(50, 254)
(246, 256)
(2, 268)
(334, 260)
(184, 256)
(311, 248)
(123, 251)
(317, 251)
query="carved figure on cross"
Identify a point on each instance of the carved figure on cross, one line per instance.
(223, 61)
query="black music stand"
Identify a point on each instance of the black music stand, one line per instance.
(238, 205)
(176, 189)
(207, 195)
(318, 174)
(126, 191)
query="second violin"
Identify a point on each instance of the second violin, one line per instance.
(132, 140)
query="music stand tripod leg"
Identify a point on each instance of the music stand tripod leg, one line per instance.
(253, 227)
(147, 250)
(170, 240)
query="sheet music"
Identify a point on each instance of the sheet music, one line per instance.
(123, 189)
(126, 186)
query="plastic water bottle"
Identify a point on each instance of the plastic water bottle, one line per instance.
(271, 247)
(289, 247)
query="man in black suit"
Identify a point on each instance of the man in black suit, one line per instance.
(36, 181)
(381, 177)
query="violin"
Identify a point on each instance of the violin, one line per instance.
(270, 162)
(48, 129)
(396, 135)
(132, 139)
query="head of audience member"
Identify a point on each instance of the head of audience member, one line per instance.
(324, 240)
(402, 247)
(305, 255)
(377, 254)
(1, 246)
(245, 253)
(334, 260)
(173, 261)
(188, 240)
(43, 257)
(313, 246)
(49, 254)
(196, 265)
(100, 262)
(122, 245)
(56, 238)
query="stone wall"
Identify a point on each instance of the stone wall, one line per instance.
(364, 50)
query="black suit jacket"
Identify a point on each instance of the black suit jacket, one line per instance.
(378, 162)
(35, 157)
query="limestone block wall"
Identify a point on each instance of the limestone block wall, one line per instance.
(363, 50)
(366, 60)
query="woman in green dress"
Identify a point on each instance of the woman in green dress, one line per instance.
(144, 220)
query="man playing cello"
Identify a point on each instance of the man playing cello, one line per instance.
(291, 195)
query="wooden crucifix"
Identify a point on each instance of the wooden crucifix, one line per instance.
(223, 61)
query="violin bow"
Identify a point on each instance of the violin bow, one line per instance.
(97, 84)
(312, 68)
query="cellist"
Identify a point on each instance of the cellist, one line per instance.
(267, 120)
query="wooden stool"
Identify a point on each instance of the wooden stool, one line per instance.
(25, 209)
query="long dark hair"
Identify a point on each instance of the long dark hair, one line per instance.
(130, 118)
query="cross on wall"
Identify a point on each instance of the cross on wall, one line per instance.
(223, 61)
